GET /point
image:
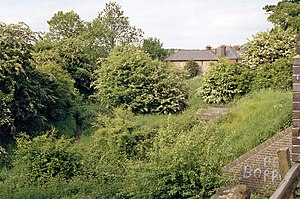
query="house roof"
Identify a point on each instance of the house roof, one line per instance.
(196, 55)
(230, 52)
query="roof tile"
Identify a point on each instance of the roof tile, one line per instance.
(196, 55)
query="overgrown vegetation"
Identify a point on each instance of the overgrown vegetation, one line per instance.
(130, 78)
(83, 111)
(224, 81)
(192, 67)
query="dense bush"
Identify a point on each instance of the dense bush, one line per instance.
(266, 47)
(45, 157)
(123, 135)
(129, 77)
(275, 75)
(192, 67)
(34, 90)
(224, 81)
(182, 166)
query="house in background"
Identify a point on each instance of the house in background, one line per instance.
(233, 54)
(201, 57)
(204, 57)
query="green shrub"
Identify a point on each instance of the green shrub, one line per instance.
(45, 157)
(124, 135)
(266, 47)
(192, 67)
(184, 167)
(275, 75)
(129, 77)
(224, 81)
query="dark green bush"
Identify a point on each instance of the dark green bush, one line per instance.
(275, 75)
(130, 78)
(224, 81)
(192, 67)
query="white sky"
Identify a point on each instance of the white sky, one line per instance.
(185, 24)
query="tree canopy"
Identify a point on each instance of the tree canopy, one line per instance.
(65, 25)
(114, 28)
(129, 77)
(285, 14)
(30, 98)
(266, 47)
(154, 48)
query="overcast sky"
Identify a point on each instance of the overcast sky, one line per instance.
(185, 24)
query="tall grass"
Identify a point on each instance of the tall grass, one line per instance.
(254, 119)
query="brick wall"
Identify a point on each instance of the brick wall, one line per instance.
(258, 168)
(296, 109)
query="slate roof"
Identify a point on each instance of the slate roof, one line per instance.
(196, 55)
(205, 55)
(230, 53)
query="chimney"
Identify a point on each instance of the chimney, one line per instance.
(223, 51)
(237, 47)
(208, 47)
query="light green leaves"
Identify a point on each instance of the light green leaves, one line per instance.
(130, 78)
(266, 47)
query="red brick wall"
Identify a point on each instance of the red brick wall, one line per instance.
(258, 168)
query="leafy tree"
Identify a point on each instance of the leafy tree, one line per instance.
(76, 60)
(131, 78)
(76, 54)
(192, 67)
(19, 99)
(47, 61)
(65, 25)
(285, 14)
(154, 48)
(275, 75)
(266, 47)
(224, 81)
(30, 98)
(114, 28)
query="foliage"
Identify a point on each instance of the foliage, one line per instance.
(275, 75)
(76, 60)
(4, 160)
(285, 14)
(114, 28)
(30, 98)
(182, 166)
(123, 134)
(72, 54)
(266, 47)
(62, 85)
(224, 81)
(175, 156)
(129, 77)
(154, 48)
(65, 25)
(253, 120)
(45, 157)
(71, 49)
(192, 67)
(79, 44)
